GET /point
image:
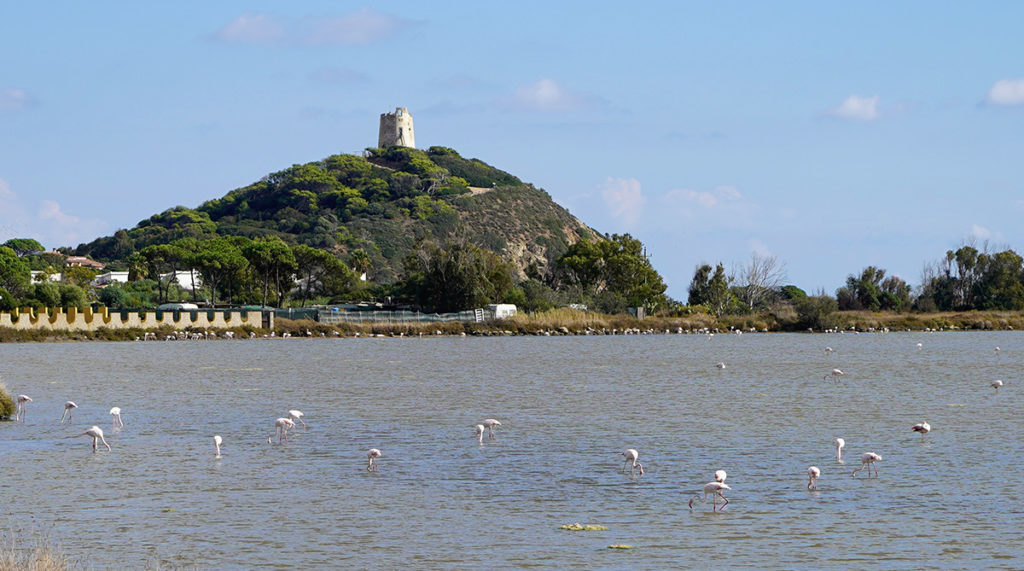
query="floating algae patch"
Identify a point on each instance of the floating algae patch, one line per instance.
(581, 527)
(956, 405)
(620, 546)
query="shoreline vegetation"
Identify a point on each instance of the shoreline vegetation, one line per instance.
(562, 321)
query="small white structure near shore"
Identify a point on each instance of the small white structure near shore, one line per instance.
(109, 278)
(502, 310)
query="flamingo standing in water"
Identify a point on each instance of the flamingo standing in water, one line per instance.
(217, 441)
(631, 455)
(489, 424)
(479, 433)
(813, 473)
(97, 434)
(371, 459)
(68, 407)
(994, 384)
(922, 427)
(297, 415)
(839, 449)
(281, 427)
(115, 414)
(835, 374)
(19, 414)
(867, 460)
(715, 489)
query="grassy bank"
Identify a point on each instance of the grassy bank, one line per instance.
(566, 321)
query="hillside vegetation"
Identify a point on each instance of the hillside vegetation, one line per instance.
(377, 206)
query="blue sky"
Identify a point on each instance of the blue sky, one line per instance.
(830, 135)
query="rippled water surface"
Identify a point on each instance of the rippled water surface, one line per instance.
(568, 407)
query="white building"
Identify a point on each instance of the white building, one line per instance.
(502, 310)
(109, 278)
(184, 278)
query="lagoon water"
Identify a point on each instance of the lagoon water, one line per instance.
(568, 407)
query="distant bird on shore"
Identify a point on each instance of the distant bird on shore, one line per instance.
(115, 414)
(720, 476)
(297, 415)
(19, 410)
(922, 427)
(479, 430)
(835, 374)
(489, 424)
(217, 441)
(715, 489)
(840, 443)
(281, 427)
(996, 384)
(371, 459)
(68, 407)
(813, 473)
(631, 456)
(97, 434)
(867, 460)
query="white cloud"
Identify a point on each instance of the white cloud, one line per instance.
(13, 99)
(547, 95)
(625, 199)
(857, 108)
(358, 28)
(704, 199)
(252, 28)
(50, 224)
(1007, 92)
(980, 232)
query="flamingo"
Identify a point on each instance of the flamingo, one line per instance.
(19, 414)
(715, 489)
(994, 384)
(867, 460)
(97, 435)
(839, 449)
(720, 365)
(115, 414)
(919, 346)
(68, 407)
(813, 472)
(371, 459)
(281, 427)
(479, 433)
(489, 424)
(829, 350)
(217, 441)
(720, 476)
(297, 415)
(922, 427)
(631, 455)
(836, 373)
(997, 350)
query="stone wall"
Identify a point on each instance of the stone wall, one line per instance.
(73, 319)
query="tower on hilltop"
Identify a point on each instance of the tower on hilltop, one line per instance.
(396, 129)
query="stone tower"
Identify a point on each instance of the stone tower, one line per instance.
(396, 129)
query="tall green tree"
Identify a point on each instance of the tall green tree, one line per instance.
(217, 260)
(711, 289)
(320, 272)
(456, 276)
(14, 273)
(24, 246)
(160, 259)
(272, 263)
(617, 265)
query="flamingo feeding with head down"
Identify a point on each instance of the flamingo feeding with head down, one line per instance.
(835, 374)
(922, 427)
(631, 455)
(840, 443)
(715, 489)
(297, 415)
(489, 424)
(68, 407)
(867, 460)
(19, 414)
(996, 384)
(813, 473)
(115, 414)
(371, 459)
(217, 441)
(479, 431)
(97, 435)
(281, 427)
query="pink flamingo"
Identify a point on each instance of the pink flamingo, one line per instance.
(97, 435)
(489, 424)
(715, 489)
(281, 427)
(297, 415)
(371, 459)
(813, 473)
(115, 414)
(867, 460)
(19, 415)
(68, 407)
(631, 455)
(217, 441)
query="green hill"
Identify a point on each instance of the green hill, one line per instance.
(382, 203)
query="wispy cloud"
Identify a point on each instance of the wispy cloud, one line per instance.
(857, 108)
(980, 232)
(12, 99)
(548, 95)
(50, 224)
(1007, 92)
(624, 198)
(704, 199)
(358, 28)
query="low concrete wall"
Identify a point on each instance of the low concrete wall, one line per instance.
(73, 319)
